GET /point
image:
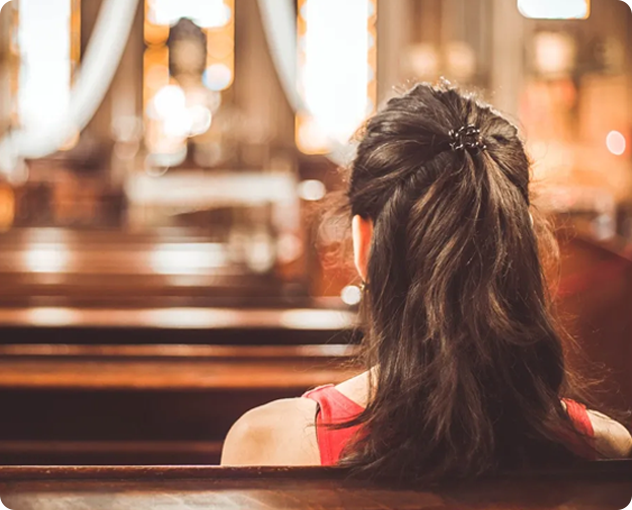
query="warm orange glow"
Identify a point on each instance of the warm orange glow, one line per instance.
(7, 206)
(155, 35)
(75, 36)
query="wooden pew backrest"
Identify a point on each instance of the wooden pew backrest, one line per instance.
(601, 485)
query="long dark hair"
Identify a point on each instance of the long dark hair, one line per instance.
(468, 362)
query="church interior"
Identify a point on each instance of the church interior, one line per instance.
(173, 252)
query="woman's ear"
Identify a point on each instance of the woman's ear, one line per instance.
(362, 230)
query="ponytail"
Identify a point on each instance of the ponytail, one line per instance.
(467, 363)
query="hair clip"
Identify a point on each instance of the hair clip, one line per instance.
(466, 138)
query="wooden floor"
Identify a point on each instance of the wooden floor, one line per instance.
(598, 487)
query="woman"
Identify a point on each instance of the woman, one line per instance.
(465, 369)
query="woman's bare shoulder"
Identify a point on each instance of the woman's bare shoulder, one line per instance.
(281, 433)
(612, 439)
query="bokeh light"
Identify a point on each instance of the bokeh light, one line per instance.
(616, 143)
(311, 190)
(217, 77)
(351, 295)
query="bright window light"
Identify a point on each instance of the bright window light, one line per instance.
(555, 9)
(204, 13)
(336, 69)
(45, 40)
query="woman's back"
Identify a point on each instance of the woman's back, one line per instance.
(465, 359)
(296, 432)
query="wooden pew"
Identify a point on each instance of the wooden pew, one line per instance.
(163, 385)
(264, 325)
(154, 385)
(590, 486)
(101, 268)
(145, 404)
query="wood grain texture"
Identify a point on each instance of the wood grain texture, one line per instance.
(171, 367)
(48, 488)
(165, 375)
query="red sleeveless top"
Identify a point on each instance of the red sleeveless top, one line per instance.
(335, 408)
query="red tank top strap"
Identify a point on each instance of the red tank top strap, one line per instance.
(333, 408)
(583, 444)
